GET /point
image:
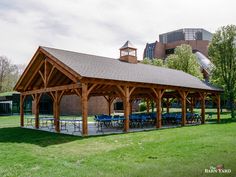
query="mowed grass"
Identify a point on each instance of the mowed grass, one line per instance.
(180, 152)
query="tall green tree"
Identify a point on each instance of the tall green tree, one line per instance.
(222, 51)
(183, 59)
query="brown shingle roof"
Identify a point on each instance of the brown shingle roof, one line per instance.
(92, 66)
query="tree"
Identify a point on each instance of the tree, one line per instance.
(155, 62)
(9, 74)
(183, 59)
(146, 61)
(158, 62)
(222, 51)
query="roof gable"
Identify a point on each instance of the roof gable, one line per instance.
(45, 71)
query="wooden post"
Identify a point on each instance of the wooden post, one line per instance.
(168, 105)
(22, 98)
(191, 105)
(203, 97)
(148, 105)
(158, 98)
(131, 107)
(109, 107)
(36, 107)
(218, 108)
(183, 95)
(109, 102)
(56, 96)
(57, 113)
(183, 100)
(127, 108)
(54, 112)
(84, 100)
(159, 109)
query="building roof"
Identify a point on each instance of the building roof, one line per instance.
(91, 66)
(128, 44)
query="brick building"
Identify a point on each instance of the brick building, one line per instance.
(197, 38)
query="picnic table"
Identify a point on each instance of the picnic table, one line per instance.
(75, 122)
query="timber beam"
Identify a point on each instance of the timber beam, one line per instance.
(183, 94)
(158, 98)
(36, 100)
(126, 92)
(22, 99)
(203, 105)
(50, 89)
(56, 97)
(217, 101)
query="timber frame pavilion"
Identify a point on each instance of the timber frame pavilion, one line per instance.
(58, 72)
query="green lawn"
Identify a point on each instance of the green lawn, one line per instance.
(185, 151)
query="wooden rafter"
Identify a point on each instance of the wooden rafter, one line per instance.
(43, 78)
(64, 71)
(59, 64)
(121, 90)
(78, 92)
(50, 74)
(158, 92)
(91, 88)
(37, 53)
(132, 90)
(33, 75)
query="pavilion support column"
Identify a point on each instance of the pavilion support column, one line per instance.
(22, 98)
(183, 95)
(56, 96)
(148, 105)
(183, 101)
(203, 105)
(109, 108)
(109, 103)
(110, 100)
(158, 99)
(126, 93)
(218, 107)
(36, 100)
(36, 114)
(126, 108)
(57, 113)
(84, 103)
(159, 110)
(168, 105)
(131, 107)
(191, 105)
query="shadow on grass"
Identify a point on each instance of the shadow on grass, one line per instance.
(40, 138)
(44, 138)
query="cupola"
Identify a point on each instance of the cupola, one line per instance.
(128, 53)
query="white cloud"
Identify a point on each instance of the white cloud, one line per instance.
(101, 26)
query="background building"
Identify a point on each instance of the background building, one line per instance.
(197, 38)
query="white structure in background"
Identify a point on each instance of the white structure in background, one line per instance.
(204, 62)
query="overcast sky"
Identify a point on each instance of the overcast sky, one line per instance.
(101, 27)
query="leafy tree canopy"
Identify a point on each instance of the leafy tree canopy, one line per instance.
(183, 59)
(222, 51)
